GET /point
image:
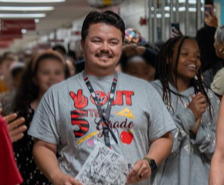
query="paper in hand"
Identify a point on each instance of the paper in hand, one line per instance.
(104, 167)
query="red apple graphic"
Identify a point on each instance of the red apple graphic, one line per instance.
(126, 137)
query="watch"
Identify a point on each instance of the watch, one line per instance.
(152, 163)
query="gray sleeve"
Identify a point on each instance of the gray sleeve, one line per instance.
(160, 119)
(188, 120)
(206, 136)
(43, 125)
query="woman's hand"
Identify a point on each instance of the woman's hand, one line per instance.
(198, 107)
(14, 127)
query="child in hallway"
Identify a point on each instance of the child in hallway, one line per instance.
(194, 109)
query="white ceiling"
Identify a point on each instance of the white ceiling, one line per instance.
(62, 16)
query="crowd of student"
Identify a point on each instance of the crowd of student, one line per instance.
(171, 97)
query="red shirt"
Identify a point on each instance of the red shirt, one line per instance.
(9, 174)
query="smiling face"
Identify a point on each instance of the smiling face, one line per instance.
(102, 49)
(50, 72)
(189, 60)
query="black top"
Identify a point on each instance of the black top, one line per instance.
(24, 158)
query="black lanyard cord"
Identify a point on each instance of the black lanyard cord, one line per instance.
(104, 116)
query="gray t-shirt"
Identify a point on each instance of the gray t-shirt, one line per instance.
(189, 161)
(68, 117)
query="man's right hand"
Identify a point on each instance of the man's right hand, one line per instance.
(63, 179)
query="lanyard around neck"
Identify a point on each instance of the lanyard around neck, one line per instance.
(104, 116)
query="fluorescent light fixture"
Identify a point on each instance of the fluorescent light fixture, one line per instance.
(23, 31)
(167, 15)
(158, 15)
(182, 9)
(174, 9)
(36, 20)
(23, 15)
(167, 8)
(152, 8)
(192, 1)
(26, 8)
(192, 9)
(32, 1)
(202, 9)
(181, 1)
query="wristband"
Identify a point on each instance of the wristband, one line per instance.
(152, 163)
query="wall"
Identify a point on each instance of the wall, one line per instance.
(222, 10)
(131, 11)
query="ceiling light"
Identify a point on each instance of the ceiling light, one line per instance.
(192, 9)
(182, 9)
(182, 1)
(26, 8)
(167, 15)
(25, 15)
(32, 1)
(23, 31)
(167, 8)
(36, 20)
(158, 15)
(192, 1)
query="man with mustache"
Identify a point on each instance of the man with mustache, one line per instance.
(64, 124)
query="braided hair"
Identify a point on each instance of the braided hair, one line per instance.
(164, 72)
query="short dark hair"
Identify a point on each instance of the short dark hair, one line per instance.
(59, 47)
(107, 17)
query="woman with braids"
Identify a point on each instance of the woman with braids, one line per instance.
(194, 110)
(47, 69)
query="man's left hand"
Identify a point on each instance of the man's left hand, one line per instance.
(139, 172)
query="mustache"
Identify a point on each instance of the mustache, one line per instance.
(104, 53)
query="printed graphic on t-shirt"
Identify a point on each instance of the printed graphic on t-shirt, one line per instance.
(81, 124)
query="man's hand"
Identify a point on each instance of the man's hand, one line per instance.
(63, 179)
(139, 172)
(14, 127)
(211, 20)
